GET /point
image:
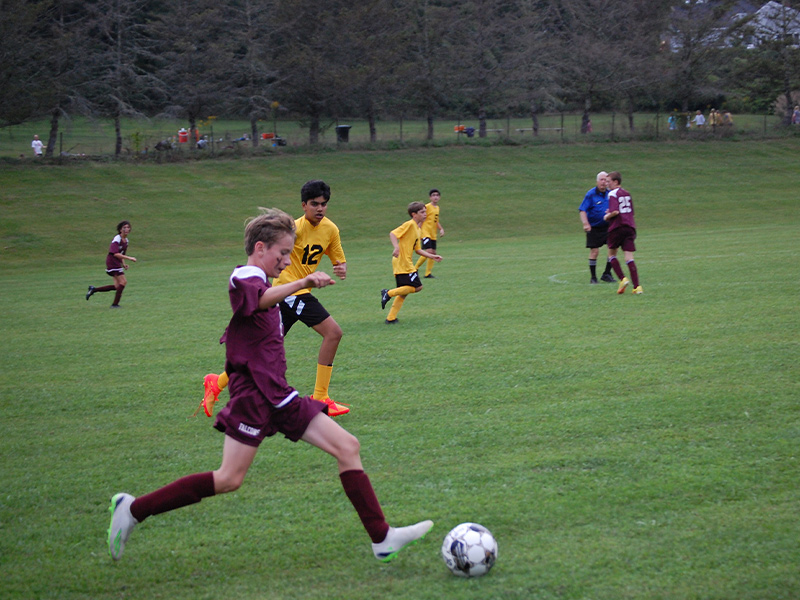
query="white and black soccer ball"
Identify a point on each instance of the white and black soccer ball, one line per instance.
(469, 550)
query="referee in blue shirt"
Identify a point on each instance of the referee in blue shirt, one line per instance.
(592, 210)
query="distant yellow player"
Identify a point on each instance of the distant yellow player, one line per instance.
(430, 227)
(316, 236)
(405, 241)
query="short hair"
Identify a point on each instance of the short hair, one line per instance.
(314, 189)
(122, 224)
(615, 176)
(414, 208)
(267, 227)
(434, 191)
(601, 174)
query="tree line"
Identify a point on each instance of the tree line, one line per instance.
(374, 59)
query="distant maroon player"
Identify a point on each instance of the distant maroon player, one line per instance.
(262, 403)
(115, 264)
(621, 232)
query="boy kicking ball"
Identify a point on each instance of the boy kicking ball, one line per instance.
(262, 403)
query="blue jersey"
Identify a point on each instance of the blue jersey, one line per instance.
(595, 205)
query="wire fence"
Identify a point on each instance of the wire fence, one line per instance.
(89, 138)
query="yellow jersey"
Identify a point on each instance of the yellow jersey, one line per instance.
(408, 238)
(310, 244)
(430, 226)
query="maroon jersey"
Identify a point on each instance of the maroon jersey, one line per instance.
(118, 246)
(254, 338)
(620, 200)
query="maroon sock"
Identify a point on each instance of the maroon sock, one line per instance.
(634, 273)
(105, 288)
(120, 289)
(182, 492)
(616, 266)
(359, 490)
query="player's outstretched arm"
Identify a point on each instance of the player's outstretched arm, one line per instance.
(317, 279)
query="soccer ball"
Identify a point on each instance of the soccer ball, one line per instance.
(469, 550)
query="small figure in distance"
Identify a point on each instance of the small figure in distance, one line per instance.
(405, 241)
(592, 212)
(37, 144)
(621, 232)
(116, 264)
(430, 227)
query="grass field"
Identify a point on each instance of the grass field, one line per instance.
(617, 446)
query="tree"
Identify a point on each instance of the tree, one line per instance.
(60, 64)
(591, 49)
(369, 43)
(637, 40)
(194, 63)
(251, 71)
(423, 79)
(121, 61)
(24, 85)
(696, 29)
(485, 53)
(304, 41)
(778, 27)
(534, 60)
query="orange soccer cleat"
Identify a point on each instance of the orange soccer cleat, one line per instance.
(334, 409)
(211, 385)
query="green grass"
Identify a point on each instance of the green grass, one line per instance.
(617, 446)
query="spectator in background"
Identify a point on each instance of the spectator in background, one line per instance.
(36, 144)
(727, 119)
(699, 120)
(796, 116)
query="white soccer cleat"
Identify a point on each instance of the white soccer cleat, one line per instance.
(122, 523)
(399, 538)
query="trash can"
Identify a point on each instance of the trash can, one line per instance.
(343, 133)
(470, 131)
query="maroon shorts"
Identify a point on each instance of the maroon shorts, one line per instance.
(249, 417)
(622, 237)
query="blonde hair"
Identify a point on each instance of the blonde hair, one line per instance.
(268, 227)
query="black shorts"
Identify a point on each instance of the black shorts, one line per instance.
(429, 244)
(304, 308)
(411, 279)
(597, 236)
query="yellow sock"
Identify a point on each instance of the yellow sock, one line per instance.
(222, 382)
(323, 381)
(429, 267)
(421, 260)
(402, 291)
(396, 306)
